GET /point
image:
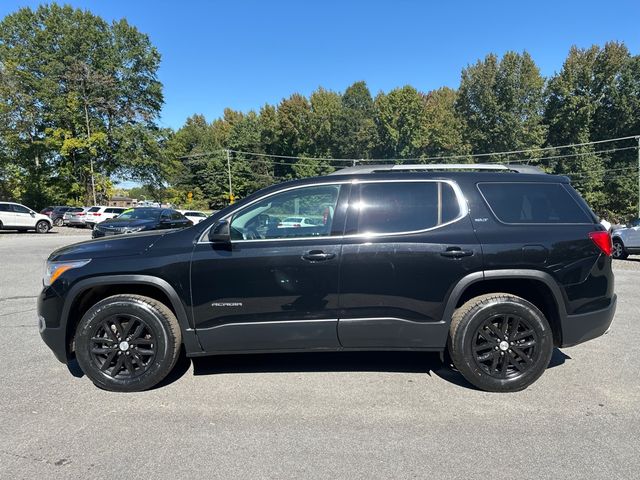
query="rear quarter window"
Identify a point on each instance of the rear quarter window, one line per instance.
(535, 203)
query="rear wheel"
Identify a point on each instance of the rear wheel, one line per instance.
(43, 226)
(500, 342)
(619, 251)
(128, 343)
(58, 222)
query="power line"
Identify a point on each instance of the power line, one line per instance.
(443, 157)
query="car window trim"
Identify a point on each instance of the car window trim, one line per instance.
(462, 204)
(532, 223)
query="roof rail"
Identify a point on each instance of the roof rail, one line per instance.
(438, 166)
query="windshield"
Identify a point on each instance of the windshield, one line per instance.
(140, 214)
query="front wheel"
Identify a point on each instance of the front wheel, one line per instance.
(500, 342)
(43, 226)
(619, 251)
(128, 343)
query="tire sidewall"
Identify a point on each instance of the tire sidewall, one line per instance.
(476, 317)
(155, 321)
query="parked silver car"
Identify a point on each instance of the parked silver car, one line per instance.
(76, 219)
(626, 241)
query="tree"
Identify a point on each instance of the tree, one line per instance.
(442, 129)
(595, 97)
(400, 115)
(357, 134)
(501, 103)
(75, 87)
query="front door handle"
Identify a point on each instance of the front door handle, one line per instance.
(317, 256)
(455, 252)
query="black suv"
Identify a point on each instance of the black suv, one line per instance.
(491, 264)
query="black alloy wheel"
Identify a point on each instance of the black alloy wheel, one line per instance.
(127, 343)
(123, 346)
(505, 346)
(500, 342)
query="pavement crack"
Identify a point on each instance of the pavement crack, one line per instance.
(17, 313)
(19, 297)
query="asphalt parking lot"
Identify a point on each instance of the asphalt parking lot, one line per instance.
(369, 415)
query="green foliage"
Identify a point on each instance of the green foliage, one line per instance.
(76, 94)
(79, 94)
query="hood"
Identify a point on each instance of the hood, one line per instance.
(116, 246)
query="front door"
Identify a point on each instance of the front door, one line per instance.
(276, 286)
(23, 217)
(407, 244)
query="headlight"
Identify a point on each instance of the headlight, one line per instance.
(133, 229)
(54, 269)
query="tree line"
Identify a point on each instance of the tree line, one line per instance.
(78, 94)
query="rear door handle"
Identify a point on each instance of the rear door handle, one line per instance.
(317, 256)
(455, 252)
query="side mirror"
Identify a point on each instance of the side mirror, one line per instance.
(33, 214)
(220, 233)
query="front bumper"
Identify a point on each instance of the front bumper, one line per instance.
(49, 313)
(587, 326)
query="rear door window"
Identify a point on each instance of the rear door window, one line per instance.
(397, 207)
(536, 203)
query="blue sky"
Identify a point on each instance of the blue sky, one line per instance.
(242, 54)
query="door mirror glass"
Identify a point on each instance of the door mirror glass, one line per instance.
(220, 233)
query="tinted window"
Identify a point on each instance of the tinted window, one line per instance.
(20, 209)
(140, 214)
(404, 207)
(194, 214)
(266, 218)
(4, 207)
(94, 209)
(176, 215)
(533, 203)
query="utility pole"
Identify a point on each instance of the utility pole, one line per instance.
(93, 184)
(231, 198)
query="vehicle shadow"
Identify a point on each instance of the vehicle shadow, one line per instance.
(389, 362)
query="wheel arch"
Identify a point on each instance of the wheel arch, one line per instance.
(533, 285)
(88, 292)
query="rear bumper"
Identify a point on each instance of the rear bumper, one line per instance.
(587, 326)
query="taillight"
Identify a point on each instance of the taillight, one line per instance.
(602, 241)
(80, 214)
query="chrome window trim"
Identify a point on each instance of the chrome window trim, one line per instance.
(463, 207)
(499, 220)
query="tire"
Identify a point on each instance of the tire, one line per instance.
(58, 222)
(43, 226)
(619, 252)
(506, 363)
(114, 364)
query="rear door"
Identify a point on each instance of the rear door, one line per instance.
(407, 243)
(7, 216)
(274, 287)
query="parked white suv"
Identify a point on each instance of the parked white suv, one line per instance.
(193, 215)
(14, 216)
(99, 214)
(626, 241)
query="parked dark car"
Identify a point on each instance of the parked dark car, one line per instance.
(496, 264)
(57, 215)
(141, 219)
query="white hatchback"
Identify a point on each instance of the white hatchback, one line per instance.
(14, 216)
